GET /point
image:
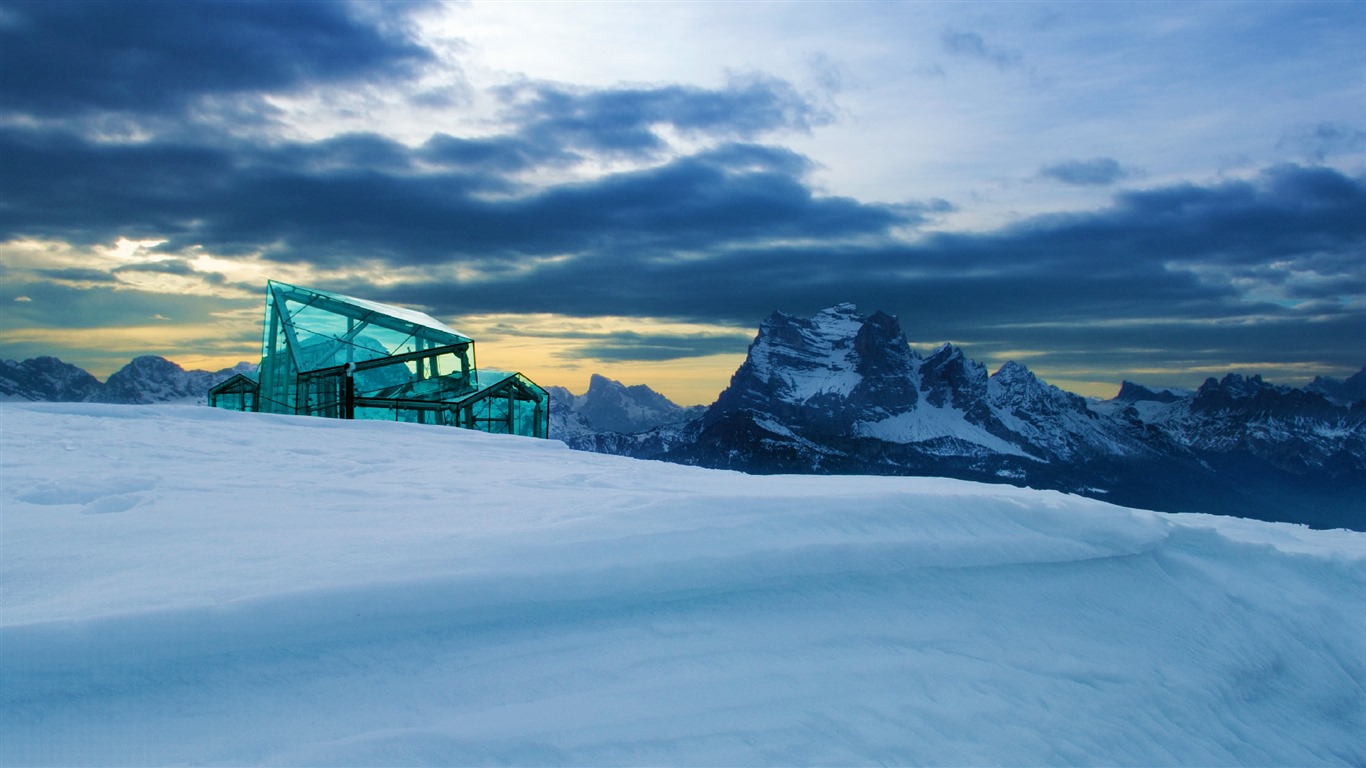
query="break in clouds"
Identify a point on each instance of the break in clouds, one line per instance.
(150, 122)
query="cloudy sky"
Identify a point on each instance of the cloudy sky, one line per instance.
(1155, 191)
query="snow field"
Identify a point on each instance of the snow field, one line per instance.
(181, 584)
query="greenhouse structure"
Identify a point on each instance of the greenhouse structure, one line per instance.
(330, 355)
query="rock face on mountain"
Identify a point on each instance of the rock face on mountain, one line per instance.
(147, 379)
(844, 393)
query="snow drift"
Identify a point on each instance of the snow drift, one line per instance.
(188, 585)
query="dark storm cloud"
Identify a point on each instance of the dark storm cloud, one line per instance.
(623, 121)
(1311, 216)
(177, 267)
(75, 275)
(1098, 171)
(308, 203)
(61, 58)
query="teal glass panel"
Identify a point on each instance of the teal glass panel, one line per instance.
(277, 370)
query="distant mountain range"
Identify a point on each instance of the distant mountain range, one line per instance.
(147, 379)
(612, 408)
(844, 393)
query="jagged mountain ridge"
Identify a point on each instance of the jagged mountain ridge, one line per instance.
(145, 379)
(844, 393)
(610, 408)
(1341, 392)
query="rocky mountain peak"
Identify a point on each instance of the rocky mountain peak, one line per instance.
(881, 344)
(1234, 392)
(1013, 373)
(949, 379)
(46, 378)
(1235, 385)
(1341, 392)
(610, 406)
(150, 379)
(1013, 381)
(1015, 389)
(1250, 398)
(795, 359)
(1129, 392)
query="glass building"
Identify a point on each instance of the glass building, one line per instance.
(324, 354)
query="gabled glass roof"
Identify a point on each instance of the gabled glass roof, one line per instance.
(383, 315)
(323, 329)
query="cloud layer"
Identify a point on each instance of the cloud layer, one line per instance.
(643, 200)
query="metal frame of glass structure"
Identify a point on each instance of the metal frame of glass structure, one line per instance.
(324, 354)
(238, 393)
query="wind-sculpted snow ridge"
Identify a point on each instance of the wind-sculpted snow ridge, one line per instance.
(185, 585)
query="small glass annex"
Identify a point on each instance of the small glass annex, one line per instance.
(324, 354)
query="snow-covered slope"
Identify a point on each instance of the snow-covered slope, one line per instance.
(185, 585)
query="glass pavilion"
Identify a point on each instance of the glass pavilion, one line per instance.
(325, 354)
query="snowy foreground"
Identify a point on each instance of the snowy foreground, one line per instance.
(185, 585)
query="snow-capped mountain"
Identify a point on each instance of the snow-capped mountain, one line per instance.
(849, 390)
(844, 393)
(147, 379)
